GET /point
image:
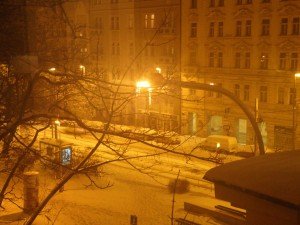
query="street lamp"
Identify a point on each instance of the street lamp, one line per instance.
(82, 68)
(297, 75)
(56, 123)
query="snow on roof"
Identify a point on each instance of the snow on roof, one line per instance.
(274, 177)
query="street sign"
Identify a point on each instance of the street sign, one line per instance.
(133, 220)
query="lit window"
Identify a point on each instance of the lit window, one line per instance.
(152, 21)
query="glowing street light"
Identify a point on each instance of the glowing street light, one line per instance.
(158, 69)
(52, 69)
(82, 68)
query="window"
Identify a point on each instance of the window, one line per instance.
(294, 61)
(264, 61)
(238, 32)
(246, 92)
(280, 95)
(211, 29)
(248, 28)
(193, 29)
(237, 90)
(152, 21)
(211, 59)
(193, 57)
(265, 27)
(115, 23)
(221, 3)
(296, 26)
(97, 2)
(131, 49)
(284, 26)
(98, 23)
(149, 21)
(220, 29)
(219, 95)
(263, 94)
(292, 96)
(220, 59)
(212, 3)
(115, 48)
(247, 60)
(239, 2)
(265, 1)
(237, 60)
(194, 4)
(248, 1)
(130, 21)
(282, 61)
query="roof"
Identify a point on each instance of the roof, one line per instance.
(275, 177)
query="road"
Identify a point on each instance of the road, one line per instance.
(164, 165)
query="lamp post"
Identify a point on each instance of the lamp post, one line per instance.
(56, 123)
(140, 85)
(297, 75)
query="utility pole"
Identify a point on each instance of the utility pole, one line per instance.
(256, 120)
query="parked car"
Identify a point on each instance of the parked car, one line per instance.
(222, 142)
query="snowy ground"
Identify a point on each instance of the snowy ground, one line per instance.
(132, 193)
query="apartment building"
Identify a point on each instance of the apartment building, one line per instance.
(138, 41)
(251, 48)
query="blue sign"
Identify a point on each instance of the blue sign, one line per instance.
(65, 156)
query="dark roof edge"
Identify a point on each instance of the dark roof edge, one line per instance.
(256, 194)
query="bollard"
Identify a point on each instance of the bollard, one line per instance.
(31, 191)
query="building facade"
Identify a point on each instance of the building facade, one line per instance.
(251, 48)
(133, 42)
